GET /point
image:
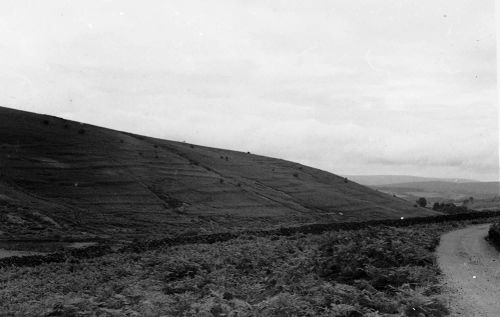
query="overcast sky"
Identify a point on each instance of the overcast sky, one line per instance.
(352, 87)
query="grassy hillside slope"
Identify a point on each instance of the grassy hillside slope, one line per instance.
(59, 176)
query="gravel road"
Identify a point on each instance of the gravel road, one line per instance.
(471, 268)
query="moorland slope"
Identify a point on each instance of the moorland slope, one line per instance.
(63, 177)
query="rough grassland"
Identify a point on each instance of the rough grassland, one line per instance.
(60, 177)
(377, 271)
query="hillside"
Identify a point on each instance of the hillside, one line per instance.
(378, 180)
(62, 177)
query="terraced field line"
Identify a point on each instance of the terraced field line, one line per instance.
(471, 268)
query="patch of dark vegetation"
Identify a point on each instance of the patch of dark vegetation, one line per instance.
(194, 162)
(170, 201)
(296, 175)
(422, 202)
(450, 208)
(34, 260)
(494, 235)
(81, 131)
(46, 122)
(374, 271)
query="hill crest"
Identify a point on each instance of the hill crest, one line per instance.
(62, 176)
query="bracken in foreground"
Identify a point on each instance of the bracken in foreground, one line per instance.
(378, 271)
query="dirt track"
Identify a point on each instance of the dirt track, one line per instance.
(471, 268)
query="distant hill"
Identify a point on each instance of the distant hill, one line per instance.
(375, 180)
(488, 192)
(59, 177)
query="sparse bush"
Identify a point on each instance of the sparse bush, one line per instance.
(46, 122)
(422, 202)
(450, 208)
(81, 131)
(494, 234)
(296, 175)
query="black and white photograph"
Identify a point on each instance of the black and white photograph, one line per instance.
(232, 158)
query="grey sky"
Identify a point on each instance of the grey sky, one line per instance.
(352, 87)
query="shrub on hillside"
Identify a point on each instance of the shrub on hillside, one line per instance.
(450, 208)
(422, 202)
(494, 234)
